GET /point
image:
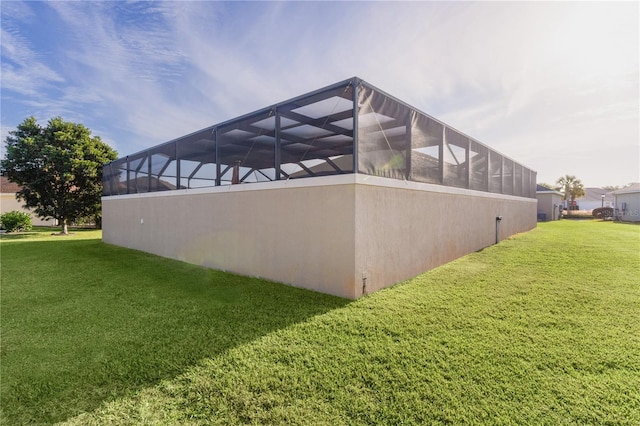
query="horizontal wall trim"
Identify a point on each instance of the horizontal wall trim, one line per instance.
(431, 187)
(346, 179)
(334, 180)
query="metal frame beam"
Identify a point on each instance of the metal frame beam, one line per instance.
(356, 111)
(334, 165)
(278, 147)
(306, 169)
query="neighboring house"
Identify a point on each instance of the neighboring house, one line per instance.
(549, 203)
(593, 199)
(9, 202)
(627, 203)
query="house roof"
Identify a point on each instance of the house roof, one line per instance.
(595, 194)
(634, 187)
(7, 187)
(540, 188)
(543, 189)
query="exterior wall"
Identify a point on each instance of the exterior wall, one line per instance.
(594, 204)
(283, 231)
(406, 228)
(631, 213)
(8, 202)
(325, 233)
(548, 203)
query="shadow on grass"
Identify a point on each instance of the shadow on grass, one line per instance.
(84, 322)
(23, 235)
(39, 232)
(620, 222)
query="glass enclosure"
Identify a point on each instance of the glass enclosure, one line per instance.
(349, 127)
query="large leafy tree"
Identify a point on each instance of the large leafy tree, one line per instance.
(570, 187)
(59, 168)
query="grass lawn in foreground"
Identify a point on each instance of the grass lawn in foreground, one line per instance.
(540, 329)
(84, 322)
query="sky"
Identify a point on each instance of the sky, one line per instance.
(553, 85)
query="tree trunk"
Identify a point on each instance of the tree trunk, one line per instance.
(65, 229)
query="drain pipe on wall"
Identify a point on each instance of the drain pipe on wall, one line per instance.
(498, 220)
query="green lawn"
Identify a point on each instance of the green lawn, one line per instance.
(543, 328)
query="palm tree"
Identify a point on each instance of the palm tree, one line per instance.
(571, 188)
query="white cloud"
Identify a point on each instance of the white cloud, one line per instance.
(17, 11)
(534, 80)
(22, 69)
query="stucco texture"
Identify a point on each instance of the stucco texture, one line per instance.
(344, 235)
(401, 233)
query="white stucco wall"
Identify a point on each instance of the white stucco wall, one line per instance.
(406, 228)
(631, 211)
(548, 203)
(283, 231)
(325, 233)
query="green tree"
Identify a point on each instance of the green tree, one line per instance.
(59, 168)
(570, 187)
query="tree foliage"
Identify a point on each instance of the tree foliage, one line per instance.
(570, 187)
(59, 168)
(611, 187)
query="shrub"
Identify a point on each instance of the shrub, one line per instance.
(97, 221)
(577, 214)
(602, 212)
(15, 221)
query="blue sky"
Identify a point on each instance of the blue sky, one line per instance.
(553, 85)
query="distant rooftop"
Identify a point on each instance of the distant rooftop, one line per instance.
(540, 188)
(7, 187)
(634, 187)
(595, 194)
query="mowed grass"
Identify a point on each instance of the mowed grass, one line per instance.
(84, 322)
(543, 328)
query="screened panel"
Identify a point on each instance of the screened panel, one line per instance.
(106, 176)
(138, 176)
(114, 178)
(202, 176)
(384, 136)
(247, 150)
(313, 135)
(533, 184)
(495, 172)
(455, 159)
(507, 177)
(196, 160)
(526, 182)
(479, 163)
(517, 181)
(426, 148)
(163, 167)
(316, 135)
(123, 176)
